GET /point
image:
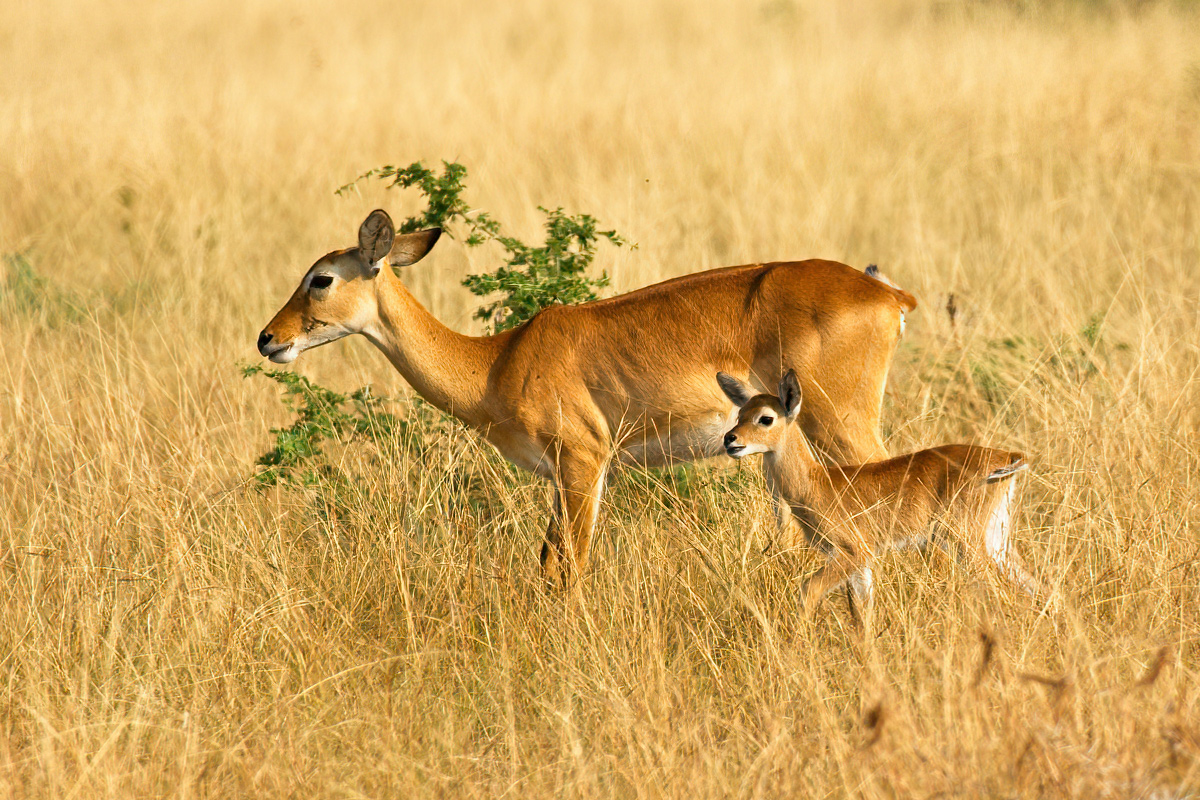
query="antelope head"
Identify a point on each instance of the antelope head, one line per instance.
(763, 419)
(339, 294)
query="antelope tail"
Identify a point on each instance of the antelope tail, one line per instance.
(906, 300)
(1006, 472)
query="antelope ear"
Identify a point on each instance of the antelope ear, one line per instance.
(375, 238)
(412, 247)
(790, 394)
(734, 389)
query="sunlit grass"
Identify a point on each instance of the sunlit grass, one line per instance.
(171, 627)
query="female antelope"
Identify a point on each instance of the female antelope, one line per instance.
(852, 513)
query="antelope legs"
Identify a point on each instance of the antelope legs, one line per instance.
(578, 485)
(844, 565)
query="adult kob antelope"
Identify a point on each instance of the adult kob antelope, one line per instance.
(628, 377)
(961, 493)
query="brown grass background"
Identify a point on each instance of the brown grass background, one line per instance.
(168, 630)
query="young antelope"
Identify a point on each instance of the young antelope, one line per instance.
(854, 512)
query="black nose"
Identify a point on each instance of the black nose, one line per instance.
(264, 339)
(730, 438)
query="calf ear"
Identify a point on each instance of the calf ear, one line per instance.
(412, 247)
(375, 238)
(789, 394)
(734, 389)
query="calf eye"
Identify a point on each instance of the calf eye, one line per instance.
(765, 421)
(321, 282)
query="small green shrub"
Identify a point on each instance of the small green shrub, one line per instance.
(321, 414)
(28, 294)
(537, 277)
(533, 276)
(444, 204)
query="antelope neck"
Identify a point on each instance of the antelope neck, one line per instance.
(447, 368)
(793, 470)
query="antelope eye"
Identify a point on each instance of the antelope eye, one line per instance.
(765, 421)
(321, 282)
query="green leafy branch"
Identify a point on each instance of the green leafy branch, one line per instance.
(444, 203)
(550, 274)
(321, 414)
(533, 276)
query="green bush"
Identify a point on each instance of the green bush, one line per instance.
(26, 293)
(533, 276)
(320, 414)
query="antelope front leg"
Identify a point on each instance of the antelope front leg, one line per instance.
(842, 565)
(788, 530)
(578, 485)
(861, 587)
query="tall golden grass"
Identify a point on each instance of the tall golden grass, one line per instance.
(168, 629)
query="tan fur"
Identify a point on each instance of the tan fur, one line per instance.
(629, 377)
(855, 512)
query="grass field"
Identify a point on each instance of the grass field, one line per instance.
(169, 629)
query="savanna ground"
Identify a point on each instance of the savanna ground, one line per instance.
(169, 628)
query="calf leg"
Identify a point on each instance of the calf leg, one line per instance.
(844, 564)
(789, 531)
(860, 587)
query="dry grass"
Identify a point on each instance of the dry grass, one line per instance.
(168, 630)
